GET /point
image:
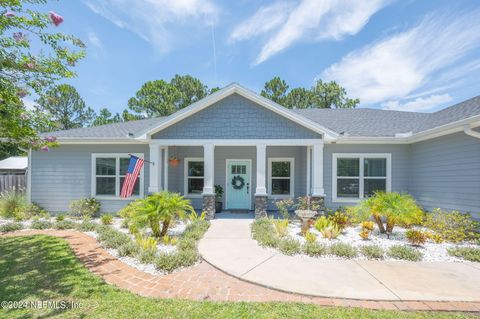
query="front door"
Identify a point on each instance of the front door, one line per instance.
(238, 184)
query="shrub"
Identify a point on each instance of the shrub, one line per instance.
(161, 208)
(372, 251)
(60, 218)
(340, 219)
(170, 262)
(111, 238)
(85, 207)
(321, 223)
(284, 206)
(147, 243)
(167, 240)
(452, 226)
(364, 234)
(133, 229)
(343, 250)
(331, 232)
(196, 230)
(289, 246)
(41, 224)
(307, 203)
(11, 202)
(64, 224)
(264, 233)
(314, 249)
(310, 237)
(128, 210)
(392, 207)
(146, 256)
(368, 225)
(9, 227)
(186, 243)
(34, 210)
(467, 253)
(405, 253)
(193, 216)
(281, 227)
(86, 225)
(125, 223)
(436, 238)
(106, 219)
(129, 249)
(416, 237)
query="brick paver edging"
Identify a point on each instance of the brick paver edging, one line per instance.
(205, 282)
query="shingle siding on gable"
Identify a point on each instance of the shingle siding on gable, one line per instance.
(236, 118)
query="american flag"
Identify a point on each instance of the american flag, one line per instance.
(134, 168)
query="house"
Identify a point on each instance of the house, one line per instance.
(259, 151)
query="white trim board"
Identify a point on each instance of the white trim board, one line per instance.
(361, 156)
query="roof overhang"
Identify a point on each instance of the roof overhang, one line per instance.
(250, 95)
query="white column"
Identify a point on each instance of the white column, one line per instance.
(261, 170)
(155, 169)
(317, 169)
(209, 168)
(165, 168)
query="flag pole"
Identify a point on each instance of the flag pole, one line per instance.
(143, 159)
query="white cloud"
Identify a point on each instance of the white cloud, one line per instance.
(94, 40)
(154, 20)
(411, 60)
(418, 105)
(312, 20)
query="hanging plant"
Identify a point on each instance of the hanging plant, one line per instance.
(174, 161)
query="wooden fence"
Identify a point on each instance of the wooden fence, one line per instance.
(17, 182)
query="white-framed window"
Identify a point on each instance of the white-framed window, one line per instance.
(193, 176)
(281, 177)
(108, 174)
(358, 176)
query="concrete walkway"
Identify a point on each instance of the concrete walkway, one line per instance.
(228, 246)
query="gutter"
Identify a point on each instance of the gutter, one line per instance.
(468, 130)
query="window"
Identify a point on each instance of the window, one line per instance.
(280, 177)
(357, 176)
(194, 176)
(109, 173)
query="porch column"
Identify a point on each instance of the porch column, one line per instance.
(318, 193)
(208, 187)
(261, 190)
(155, 169)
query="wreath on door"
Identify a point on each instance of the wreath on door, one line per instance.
(238, 182)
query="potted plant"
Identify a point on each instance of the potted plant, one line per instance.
(306, 209)
(174, 161)
(218, 198)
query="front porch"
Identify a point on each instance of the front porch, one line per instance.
(252, 173)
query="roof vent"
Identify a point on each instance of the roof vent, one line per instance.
(130, 134)
(407, 134)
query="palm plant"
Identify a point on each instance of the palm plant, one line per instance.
(393, 208)
(161, 208)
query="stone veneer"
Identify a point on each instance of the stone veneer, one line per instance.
(260, 206)
(209, 206)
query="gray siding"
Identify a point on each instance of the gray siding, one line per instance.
(64, 174)
(400, 166)
(236, 118)
(445, 173)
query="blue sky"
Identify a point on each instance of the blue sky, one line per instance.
(400, 55)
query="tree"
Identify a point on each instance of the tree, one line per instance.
(275, 90)
(127, 116)
(191, 90)
(155, 98)
(300, 98)
(105, 117)
(330, 95)
(25, 68)
(66, 107)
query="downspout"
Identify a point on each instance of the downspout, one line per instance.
(468, 130)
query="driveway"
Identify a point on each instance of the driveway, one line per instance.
(228, 246)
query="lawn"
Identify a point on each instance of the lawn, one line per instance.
(45, 268)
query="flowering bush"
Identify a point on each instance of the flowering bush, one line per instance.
(85, 207)
(453, 226)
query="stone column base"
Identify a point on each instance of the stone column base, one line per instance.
(260, 206)
(209, 206)
(321, 200)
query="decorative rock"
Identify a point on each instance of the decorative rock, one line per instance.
(209, 206)
(260, 206)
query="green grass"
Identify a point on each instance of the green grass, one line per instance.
(44, 268)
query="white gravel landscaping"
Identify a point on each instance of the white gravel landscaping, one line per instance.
(431, 251)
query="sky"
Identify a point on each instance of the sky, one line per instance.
(396, 55)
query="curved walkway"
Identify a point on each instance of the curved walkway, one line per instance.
(228, 246)
(204, 282)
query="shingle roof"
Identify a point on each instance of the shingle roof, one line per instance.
(14, 162)
(363, 122)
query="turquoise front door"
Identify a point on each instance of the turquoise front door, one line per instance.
(238, 184)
